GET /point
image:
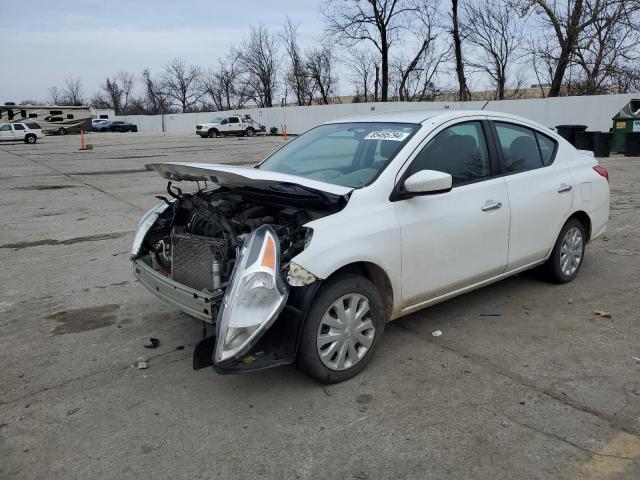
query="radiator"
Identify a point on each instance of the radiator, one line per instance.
(192, 260)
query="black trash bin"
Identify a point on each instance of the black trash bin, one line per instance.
(568, 132)
(632, 144)
(584, 140)
(602, 143)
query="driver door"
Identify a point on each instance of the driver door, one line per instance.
(455, 239)
(5, 132)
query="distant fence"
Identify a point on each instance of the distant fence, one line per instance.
(594, 111)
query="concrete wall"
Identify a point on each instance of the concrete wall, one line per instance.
(594, 111)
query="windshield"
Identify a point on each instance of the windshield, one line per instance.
(348, 154)
(216, 119)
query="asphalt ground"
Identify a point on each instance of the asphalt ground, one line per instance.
(542, 388)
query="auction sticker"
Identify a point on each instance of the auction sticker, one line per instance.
(387, 135)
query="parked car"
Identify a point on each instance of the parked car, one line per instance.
(232, 125)
(120, 126)
(28, 132)
(100, 125)
(361, 221)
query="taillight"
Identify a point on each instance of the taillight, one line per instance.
(602, 171)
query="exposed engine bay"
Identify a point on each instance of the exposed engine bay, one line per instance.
(196, 240)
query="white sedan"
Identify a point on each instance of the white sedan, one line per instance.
(358, 222)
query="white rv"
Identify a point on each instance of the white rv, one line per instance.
(53, 119)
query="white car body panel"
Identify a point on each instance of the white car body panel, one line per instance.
(439, 246)
(436, 246)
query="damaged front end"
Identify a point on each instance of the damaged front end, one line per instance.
(224, 256)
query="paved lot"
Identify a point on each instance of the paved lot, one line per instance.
(545, 390)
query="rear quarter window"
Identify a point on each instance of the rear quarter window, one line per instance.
(547, 148)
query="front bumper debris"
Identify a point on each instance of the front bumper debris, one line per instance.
(188, 300)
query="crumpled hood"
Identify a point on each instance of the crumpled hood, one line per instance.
(239, 176)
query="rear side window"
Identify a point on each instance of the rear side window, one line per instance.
(18, 126)
(70, 116)
(547, 148)
(234, 120)
(56, 119)
(33, 125)
(519, 147)
(459, 150)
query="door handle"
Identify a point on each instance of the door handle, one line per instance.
(564, 188)
(491, 206)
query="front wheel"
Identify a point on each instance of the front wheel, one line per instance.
(213, 133)
(342, 330)
(568, 252)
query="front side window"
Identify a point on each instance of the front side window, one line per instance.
(349, 154)
(5, 127)
(459, 150)
(234, 120)
(18, 126)
(519, 147)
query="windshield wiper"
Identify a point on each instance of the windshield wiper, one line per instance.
(287, 187)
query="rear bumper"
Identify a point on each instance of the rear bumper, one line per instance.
(188, 300)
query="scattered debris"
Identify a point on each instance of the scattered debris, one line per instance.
(73, 410)
(436, 333)
(489, 314)
(602, 314)
(153, 343)
(180, 347)
(570, 301)
(142, 365)
(636, 359)
(622, 252)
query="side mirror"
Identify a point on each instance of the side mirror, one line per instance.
(428, 181)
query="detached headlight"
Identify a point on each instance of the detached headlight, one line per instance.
(255, 297)
(145, 223)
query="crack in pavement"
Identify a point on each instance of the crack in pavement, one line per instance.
(69, 241)
(558, 396)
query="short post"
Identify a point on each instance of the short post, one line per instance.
(82, 145)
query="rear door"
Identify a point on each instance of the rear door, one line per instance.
(18, 131)
(540, 190)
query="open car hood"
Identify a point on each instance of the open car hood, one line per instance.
(239, 176)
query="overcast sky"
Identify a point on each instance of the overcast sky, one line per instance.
(44, 41)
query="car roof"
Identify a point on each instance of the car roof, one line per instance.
(423, 116)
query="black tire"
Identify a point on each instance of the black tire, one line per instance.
(249, 132)
(30, 139)
(554, 265)
(213, 133)
(308, 356)
(62, 131)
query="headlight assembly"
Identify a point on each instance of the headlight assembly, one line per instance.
(255, 297)
(146, 222)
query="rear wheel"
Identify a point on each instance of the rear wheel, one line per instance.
(568, 252)
(62, 131)
(31, 139)
(342, 330)
(249, 132)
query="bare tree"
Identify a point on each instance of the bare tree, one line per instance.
(224, 85)
(378, 22)
(608, 47)
(155, 100)
(414, 75)
(72, 92)
(55, 96)
(181, 83)
(463, 88)
(127, 81)
(297, 76)
(362, 65)
(492, 28)
(258, 58)
(320, 64)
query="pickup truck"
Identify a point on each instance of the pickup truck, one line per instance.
(232, 125)
(27, 132)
